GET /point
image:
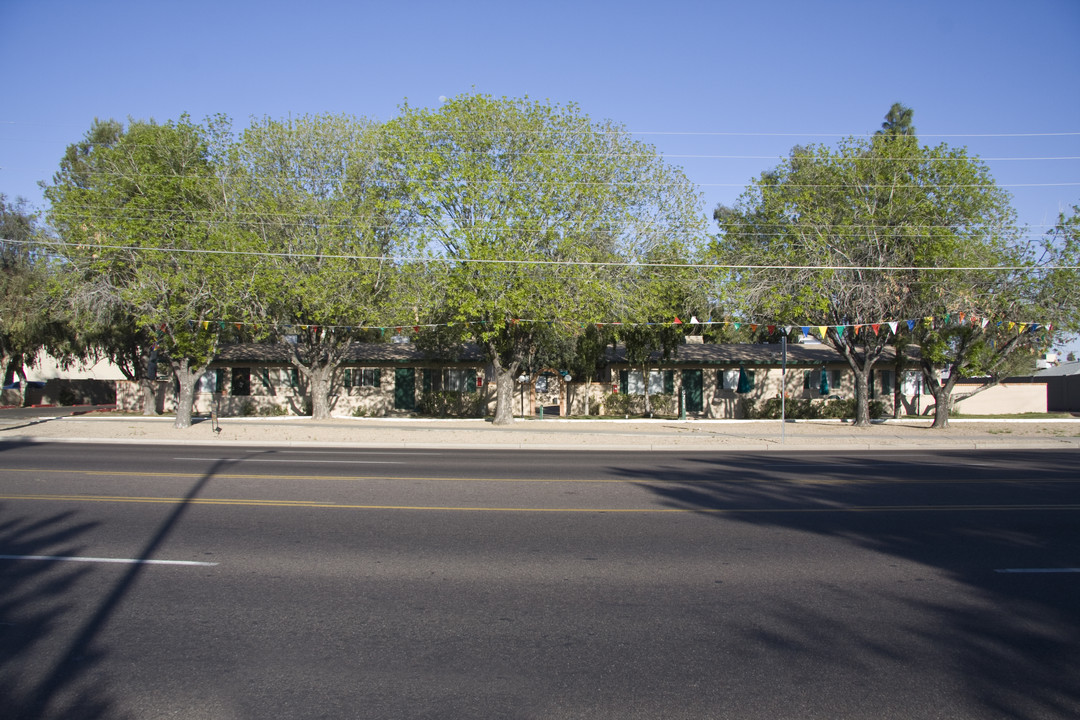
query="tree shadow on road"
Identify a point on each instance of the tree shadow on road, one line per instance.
(1012, 643)
(36, 606)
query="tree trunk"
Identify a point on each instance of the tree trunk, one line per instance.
(941, 410)
(942, 393)
(319, 382)
(862, 397)
(144, 366)
(504, 393)
(648, 403)
(188, 379)
(149, 392)
(20, 371)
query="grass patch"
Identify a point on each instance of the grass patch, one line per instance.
(1014, 416)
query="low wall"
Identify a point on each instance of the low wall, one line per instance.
(1004, 399)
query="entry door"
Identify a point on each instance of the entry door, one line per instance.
(692, 385)
(404, 388)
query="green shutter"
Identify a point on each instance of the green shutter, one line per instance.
(348, 378)
(427, 380)
(669, 382)
(378, 376)
(624, 381)
(470, 381)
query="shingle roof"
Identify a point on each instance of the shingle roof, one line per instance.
(358, 353)
(1066, 368)
(738, 354)
(694, 355)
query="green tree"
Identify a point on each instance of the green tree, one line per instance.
(138, 217)
(846, 230)
(323, 218)
(26, 323)
(521, 204)
(898, 121)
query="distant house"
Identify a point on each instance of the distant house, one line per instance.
(1063, 387)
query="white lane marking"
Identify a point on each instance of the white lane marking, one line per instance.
(1039, 570)
(302, 460)
(121, 561)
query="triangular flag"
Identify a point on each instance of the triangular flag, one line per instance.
(876, 326)
(772, 329)
(839, 331)
(893, 326)
(753, 328)
(736, 325)
(678, 321)
(822, 330)
(206, 325)
(787, 329)
(805, 330)
(693, 320)
(858, 329)
(961, 316)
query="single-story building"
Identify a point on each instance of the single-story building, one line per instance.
(385, 379)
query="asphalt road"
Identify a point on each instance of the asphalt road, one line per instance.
(455, 584)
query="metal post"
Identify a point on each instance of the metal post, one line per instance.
(682, 404)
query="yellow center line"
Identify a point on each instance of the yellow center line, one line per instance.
(623, 481)
(344, 506)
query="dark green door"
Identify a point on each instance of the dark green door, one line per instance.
(404, 388)
(692, 385)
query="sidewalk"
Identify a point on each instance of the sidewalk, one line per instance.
(550, 434)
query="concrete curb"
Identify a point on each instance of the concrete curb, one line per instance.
(737, 447)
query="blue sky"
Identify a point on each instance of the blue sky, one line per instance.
(715, 81)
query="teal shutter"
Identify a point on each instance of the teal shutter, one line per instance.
(669, 382)
(427, 380)
(470, 381)
(348, 378)
(624, 381)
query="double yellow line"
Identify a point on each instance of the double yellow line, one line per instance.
(449, 508)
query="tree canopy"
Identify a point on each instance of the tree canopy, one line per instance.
(532, 213)
(854, 233)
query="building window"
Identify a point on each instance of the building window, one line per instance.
(363, 377)
(460, 380)
(887, 377)
(241, 382)
(632, 382)
(812, 379)
(729, 379)
(209, 382)
(450, 380)
(912, 384)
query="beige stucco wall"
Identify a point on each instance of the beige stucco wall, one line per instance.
(46, 367)
(1004, 399)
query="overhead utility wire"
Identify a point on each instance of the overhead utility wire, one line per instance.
(125, 213)
(569, 263)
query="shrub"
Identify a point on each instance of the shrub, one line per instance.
(446, 403)
(805, 409)
(624, 404)
(617, 404)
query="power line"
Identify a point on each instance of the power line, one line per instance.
(564, 263)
